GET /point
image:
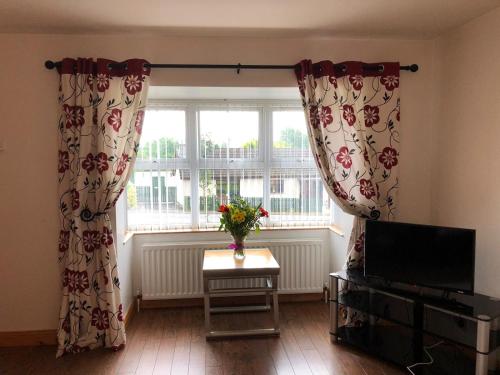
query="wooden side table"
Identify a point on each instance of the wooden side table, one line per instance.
(258, 263)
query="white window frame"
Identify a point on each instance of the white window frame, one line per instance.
(265, 160)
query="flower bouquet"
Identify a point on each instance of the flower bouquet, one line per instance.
(239, 218)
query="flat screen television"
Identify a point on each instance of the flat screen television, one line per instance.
(421, 255)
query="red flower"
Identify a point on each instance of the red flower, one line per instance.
(115, 119)
(122, 164)
(388, 157)
(344, 158)
(348, 114)
(314, 116)
(317, 116)
(120, 313)
(102, 81)
(70, 280)
(138, 121)
(339, 191)
(91, 240)
(63, 161)
(263, 212)
(366, 188)
(325, 116)
(100, 318)
(133, 84)
(107, 237)
(371, 115)
(223, 208)
(75, 281)
(102, 162)
(390, 82)
(75, 199)
(356, 81)
(83, 281)
(88, 163)
(333, 81)
(74, 116)
(360, 243)
(63, 240)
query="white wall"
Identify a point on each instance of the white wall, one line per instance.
(125, 253)
(29, 272)
(467, 177)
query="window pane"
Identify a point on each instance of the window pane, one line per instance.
(218, 186)
(229, 134)
(290, 139)
(159, 200)
(159, 191)
(298, 198)
(163, 135)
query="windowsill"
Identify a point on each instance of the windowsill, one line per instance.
(333, 228)
(128, 236)
(336, 229)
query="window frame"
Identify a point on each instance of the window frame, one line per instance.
(265, 161)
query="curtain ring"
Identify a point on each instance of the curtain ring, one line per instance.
(381, 68)
(238, 68)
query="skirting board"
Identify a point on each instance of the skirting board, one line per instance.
(47, 336)
(221, 301)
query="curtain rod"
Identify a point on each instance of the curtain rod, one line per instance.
(49, 64)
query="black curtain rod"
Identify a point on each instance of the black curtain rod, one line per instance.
(49, 64)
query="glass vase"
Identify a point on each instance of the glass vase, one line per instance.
(239, 248)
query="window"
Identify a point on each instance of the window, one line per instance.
(210, 152)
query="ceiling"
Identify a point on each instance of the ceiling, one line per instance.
(297, 18)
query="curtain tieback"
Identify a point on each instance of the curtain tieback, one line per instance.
(86, 215)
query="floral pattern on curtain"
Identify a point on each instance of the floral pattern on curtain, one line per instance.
(352, 112)
(100, 122)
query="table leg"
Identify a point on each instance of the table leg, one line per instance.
(276, 311)
(482, 345)
(334, 295)
(206, 297)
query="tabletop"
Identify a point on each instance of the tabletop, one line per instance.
(222, 263)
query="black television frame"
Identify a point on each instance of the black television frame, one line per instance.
(417, 284)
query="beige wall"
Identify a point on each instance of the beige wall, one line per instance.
(467, 177)
(29, 279)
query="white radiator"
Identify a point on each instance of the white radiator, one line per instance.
(173, 270)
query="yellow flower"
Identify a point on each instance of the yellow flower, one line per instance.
(238, 217)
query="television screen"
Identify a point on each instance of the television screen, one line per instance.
(423, 255)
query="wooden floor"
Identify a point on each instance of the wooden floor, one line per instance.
(171, 341)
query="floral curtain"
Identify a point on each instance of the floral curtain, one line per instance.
(100, 122)
(352, 111)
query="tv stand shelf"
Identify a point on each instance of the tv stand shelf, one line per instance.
(401, 322)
